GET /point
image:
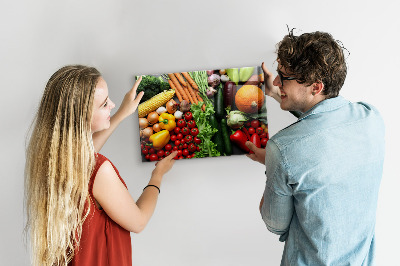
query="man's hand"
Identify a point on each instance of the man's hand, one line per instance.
(258, 155)
(270, 89)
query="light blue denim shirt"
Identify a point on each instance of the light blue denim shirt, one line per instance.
(323, 175)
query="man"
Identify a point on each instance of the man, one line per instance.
(323, 171)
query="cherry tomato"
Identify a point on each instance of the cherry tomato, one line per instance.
(197, 140)
(251, 131)
(177, 142)
(153, 157)
(255, 123)
(198, 148)
(175, 148)
(179, 136)
(185, 131)
(264, 142)
(160, 153)
(194, 132)
(147, 157)
(152, 151)
(167, 153)
(177, 130)
(188, 138)
(173, 138)
(247, 124)
(180, 157)
(185, 152)
(181, 123)
(179, 153)
(259, 130)
(185, 146)
(168, 147)
(263, 135)
(191, 124)
(188, 116)
(145, 151)
(142, 146)
(192, 147)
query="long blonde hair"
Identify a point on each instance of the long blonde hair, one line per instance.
(59, 162)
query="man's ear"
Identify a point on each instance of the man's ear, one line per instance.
(317, 88)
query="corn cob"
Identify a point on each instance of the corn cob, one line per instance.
(154, 102)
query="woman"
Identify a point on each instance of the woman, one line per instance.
(78, 207)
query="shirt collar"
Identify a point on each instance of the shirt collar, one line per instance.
(325, 106)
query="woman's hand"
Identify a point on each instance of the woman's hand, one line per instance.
(131, 101)
(163, 166)
(258, 155)
(270, 89)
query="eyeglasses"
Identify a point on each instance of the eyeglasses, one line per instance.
(282, 78)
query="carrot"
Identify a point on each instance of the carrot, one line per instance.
(188, 94)
(171, 84)
(181, 80)
(192, 93)
(200, 100)
(178, 87)
(190, 80)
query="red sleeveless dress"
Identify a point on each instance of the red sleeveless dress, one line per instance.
(103, 241)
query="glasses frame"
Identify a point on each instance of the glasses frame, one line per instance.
(282, 78)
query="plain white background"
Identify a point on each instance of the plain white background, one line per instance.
(208, 208)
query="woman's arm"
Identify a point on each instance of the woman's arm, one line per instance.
(128, 107)
(116, 201)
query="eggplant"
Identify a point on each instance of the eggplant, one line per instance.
(229, 93)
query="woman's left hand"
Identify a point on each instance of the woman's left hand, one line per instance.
(131, 101)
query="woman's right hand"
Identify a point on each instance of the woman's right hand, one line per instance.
(270, 89)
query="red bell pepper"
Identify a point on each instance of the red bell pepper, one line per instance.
(240, 138)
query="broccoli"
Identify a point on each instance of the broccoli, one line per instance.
(151, 86)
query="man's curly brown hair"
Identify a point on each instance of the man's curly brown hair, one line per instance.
(314, 57)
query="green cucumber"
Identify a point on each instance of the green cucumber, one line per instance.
(219, 103)
(217, 138)
(226, 137)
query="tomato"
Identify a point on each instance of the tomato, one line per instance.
(180, 146)
(197, 140)
(191, 124)
(194, 132)
(255, 123)
(251, 130)
(185, 146)
(179, 153)
(177, 130)
(160, 153)
(192, 147)
(181, 123)
(168, 147)
(198, 148)
(153, 157)
(152, 151)
(259, 130)
(185, 152)
(142, 146)
(188, 116)
(247, 124)
(145, 151)
(167, 153)
(177, 142)
(264, 142)
(173, 138)
(179, 136)
(263, 135)
(185, 131)
(175, 148)
(188, 138)
(147, 157)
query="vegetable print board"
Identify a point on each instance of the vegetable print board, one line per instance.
(200, 114)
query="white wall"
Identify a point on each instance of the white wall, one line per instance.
(208, 208)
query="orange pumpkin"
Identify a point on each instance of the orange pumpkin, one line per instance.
(249, 99)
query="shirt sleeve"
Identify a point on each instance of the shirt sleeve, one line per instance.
(277, 209)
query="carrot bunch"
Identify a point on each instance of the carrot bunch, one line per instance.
(185, 89)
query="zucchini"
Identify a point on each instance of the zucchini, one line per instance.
(217, 138)
(219, 103)
(226, 137)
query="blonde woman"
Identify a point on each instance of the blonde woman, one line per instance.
(79, 211)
